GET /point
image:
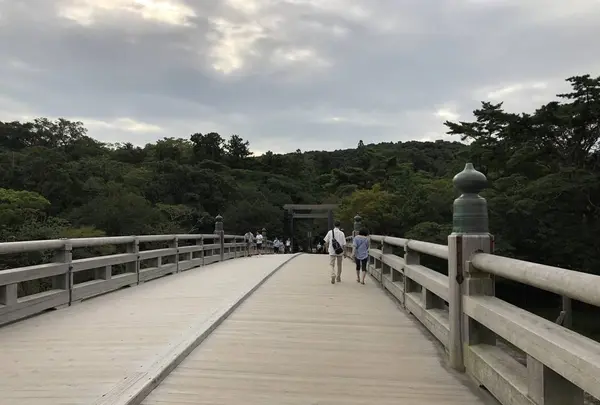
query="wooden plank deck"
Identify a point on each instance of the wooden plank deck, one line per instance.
(300, 340)
(77, 354)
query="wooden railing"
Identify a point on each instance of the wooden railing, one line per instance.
(126, 264)
(561, 365)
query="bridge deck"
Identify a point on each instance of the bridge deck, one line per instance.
(300, 340)
(296, 340)
(78, 354)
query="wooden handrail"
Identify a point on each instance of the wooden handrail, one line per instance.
(560, 362)
(135, 266)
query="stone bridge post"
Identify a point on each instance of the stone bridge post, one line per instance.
(219, 231)
(470, 234)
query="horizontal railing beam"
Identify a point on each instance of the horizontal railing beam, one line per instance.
(20, 274)
(430, 279)
(89, 242)
(573, 356)
(574, 284)
(431, 249)
(31, 246)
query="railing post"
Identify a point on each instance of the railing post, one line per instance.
(410, 257)
(546, 387)
(174, 244)
(470, 234)
(134, 267)
(378, 262)
(103, 273)
(200, 242)
(567, 321)
(385, 269)
(8, 294)
(62, 281)
(219, 231)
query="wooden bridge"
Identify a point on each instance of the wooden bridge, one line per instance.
(191, 319)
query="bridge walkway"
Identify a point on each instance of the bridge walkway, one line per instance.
(296, 339)
(83, 353)
(300, 340)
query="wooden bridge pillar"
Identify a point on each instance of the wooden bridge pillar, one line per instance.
(200, 242)
(219, 231)
(410, 257)
(64, 281)
(134, 267)
(470, 234)
(174, 244)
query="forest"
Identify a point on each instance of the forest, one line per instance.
(543, 168)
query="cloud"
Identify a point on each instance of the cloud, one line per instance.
(87, 12)
(126, 124)
(448, 114)
(287, 74)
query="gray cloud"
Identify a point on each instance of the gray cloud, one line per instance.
(286, 74)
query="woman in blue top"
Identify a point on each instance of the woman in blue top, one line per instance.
(360, 252)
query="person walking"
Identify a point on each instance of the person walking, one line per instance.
(259, 242)
(249, 238)
(336, 240)
(360, 252)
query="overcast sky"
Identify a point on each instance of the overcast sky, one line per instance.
(287, 74)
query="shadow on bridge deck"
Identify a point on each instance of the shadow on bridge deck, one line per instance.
(78, 354)
(300, 340)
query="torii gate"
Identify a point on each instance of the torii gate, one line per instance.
(314, 211)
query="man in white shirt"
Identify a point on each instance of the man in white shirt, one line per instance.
(339, 236)
(259, 242)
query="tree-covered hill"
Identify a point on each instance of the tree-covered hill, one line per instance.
(56, 180)
(543, 169)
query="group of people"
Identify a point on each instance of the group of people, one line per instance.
(253, 241)
(256, 242)
(280, 247)
(335, 241)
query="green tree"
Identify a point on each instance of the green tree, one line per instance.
(237, 151)
(19, 207)
(118, 211)
(379, 208)
(545, 195)
(208, 146)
